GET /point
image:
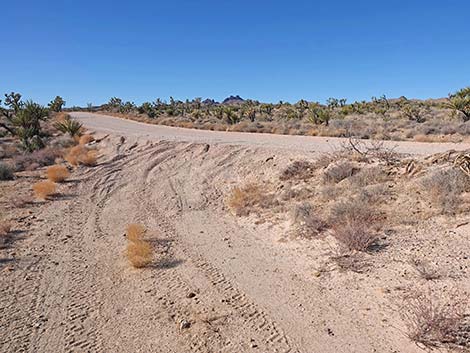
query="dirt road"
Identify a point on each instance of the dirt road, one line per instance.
(69, 287)
(112, 125)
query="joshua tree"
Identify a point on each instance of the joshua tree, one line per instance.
(56, 104)
(459, 102)
(26, 125)
(319, 114)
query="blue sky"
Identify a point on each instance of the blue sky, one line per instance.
(88, 51)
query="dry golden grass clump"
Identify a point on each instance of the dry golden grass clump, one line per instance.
(139, 252)
(81, 155)
(135, 232)
(84, 139)
(57, 173)
(89, 158)
(244, 200)
(44, 189)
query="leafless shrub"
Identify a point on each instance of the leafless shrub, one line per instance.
(426, 270)
(436, 321)
(372, 150)
(355, 223)
(40, 158)
(308, 221)
(445, 187)
(340, 171)
(298, 170)
(369, 176)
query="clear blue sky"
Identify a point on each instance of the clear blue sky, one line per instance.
(88, 51)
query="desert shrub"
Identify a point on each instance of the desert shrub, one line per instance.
(369, 176)
(81, 155)
(6, 172)
(84, 139)
(36, 159)
(444, 187)
(44, 189)
(298, 170)
(244, 200)
(354, 223)
(135, 232)
(308, 221)
(340, 171)
(74, 153)
(139, 253)
(88, 159)
(435, 321)
(57, 173)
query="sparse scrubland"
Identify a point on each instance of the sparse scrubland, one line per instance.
(432, 120)
(352, 199)
(291, 249)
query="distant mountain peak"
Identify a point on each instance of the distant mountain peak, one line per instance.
(233, 100)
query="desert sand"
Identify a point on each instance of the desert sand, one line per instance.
(219, 283)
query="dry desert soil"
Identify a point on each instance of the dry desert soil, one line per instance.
(218, 282)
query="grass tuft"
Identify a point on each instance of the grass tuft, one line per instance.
(135, 232)
(84, 139)
(57, 173)
(139, 252)
(81, 155)
(44, 189)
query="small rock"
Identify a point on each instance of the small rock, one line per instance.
(190, 295)
(184, 324)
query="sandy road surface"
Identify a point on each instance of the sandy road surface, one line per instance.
(125, 127)
(69, 287)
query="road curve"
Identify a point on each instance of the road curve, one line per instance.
(118, 126)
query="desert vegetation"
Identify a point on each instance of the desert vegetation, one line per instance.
(34, 137)
(44, 189)
(57, 173)
(352, 200)
(139, 251)
(431, 120)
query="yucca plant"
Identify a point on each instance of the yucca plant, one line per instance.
(69, 126)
